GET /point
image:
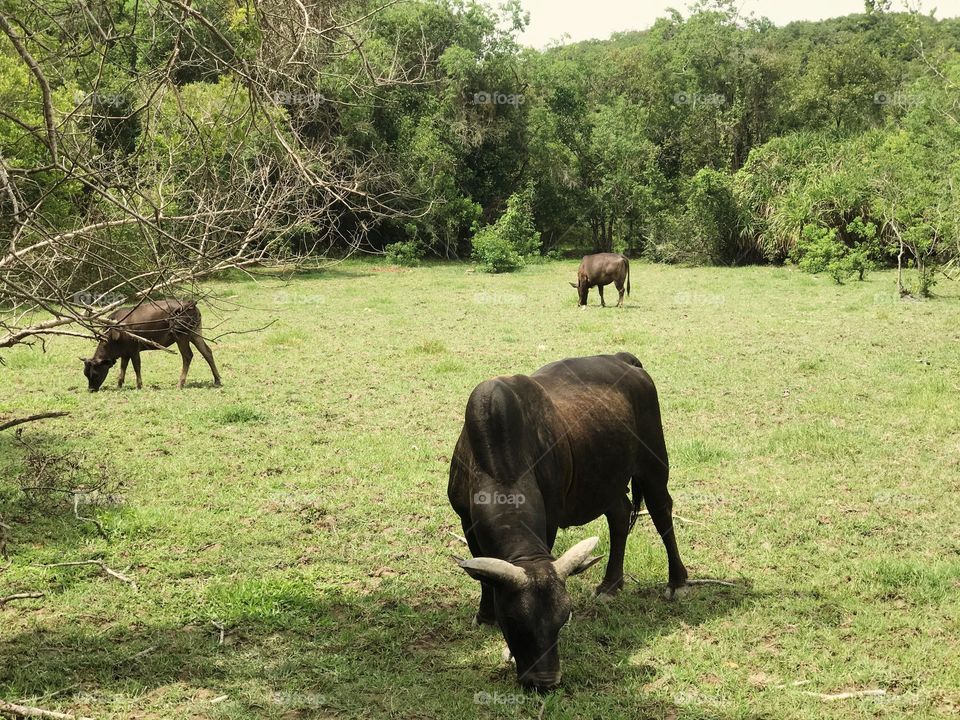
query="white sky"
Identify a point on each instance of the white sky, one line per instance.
(583, 19)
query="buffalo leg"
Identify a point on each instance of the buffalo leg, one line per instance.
(123, 371)
(485, 615)
(660, 507)
(551, 536)
(204, 349)
(620, 290)
(618, 518)
(187, 354)
(135, 359)
(600, 290)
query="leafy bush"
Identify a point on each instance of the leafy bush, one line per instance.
(713, 218)
(502, 247)
(408, 253)
(494, 251)
(666, 242)
(820, 249)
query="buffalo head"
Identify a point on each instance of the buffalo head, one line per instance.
(582, 289)
(531, 606)
(95, 370)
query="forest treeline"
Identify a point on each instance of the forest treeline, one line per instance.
(417, 126)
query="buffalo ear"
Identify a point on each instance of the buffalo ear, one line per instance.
(496, 571)
(573, 285)
(114, 334)
(577, 559)
(84, 360)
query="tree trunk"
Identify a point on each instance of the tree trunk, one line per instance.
(900, 289)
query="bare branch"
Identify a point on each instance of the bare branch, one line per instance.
(44, 85)
(16, 711)
(20, 596)
(99, 563)
(20, 421)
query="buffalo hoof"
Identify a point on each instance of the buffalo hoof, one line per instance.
(607, 589)
(676, 591)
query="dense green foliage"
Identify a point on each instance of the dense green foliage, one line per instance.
(504, 245)
(708, 139)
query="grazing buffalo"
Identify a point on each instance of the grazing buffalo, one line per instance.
(161, 323)
(548, 451)
(599, 270)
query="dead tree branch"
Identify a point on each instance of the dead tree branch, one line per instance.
(20, 596)
(99, 563)
(81, 518)
(31, 418)
(16, 711)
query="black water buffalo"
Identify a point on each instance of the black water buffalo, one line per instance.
(546, 451)
(599, 270)
(162, 323)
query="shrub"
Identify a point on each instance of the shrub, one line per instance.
(495, 252)
(819, 249)
(408, 253)
(713, 217)
(501, 247)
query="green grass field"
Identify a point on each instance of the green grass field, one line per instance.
(814, 433)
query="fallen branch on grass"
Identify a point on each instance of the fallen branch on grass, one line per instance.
(795, 683)
(681, 518)
(78, 516)
(4, 539)
(14, 710)
(99, 563)
(223, 631)
(142, 653)
(20, 596)
(20, 421)
(846, 695)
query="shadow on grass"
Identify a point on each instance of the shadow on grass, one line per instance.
(289, 648)
(347, 269)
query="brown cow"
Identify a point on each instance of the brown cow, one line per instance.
(599, 270)
(162, 323)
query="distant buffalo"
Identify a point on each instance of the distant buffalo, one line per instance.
(555, 449)
(599, 270)
(161, 323)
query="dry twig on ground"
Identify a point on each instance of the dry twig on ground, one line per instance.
(20, 596)
(99, 563)
(14, 710)
(30, 418)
